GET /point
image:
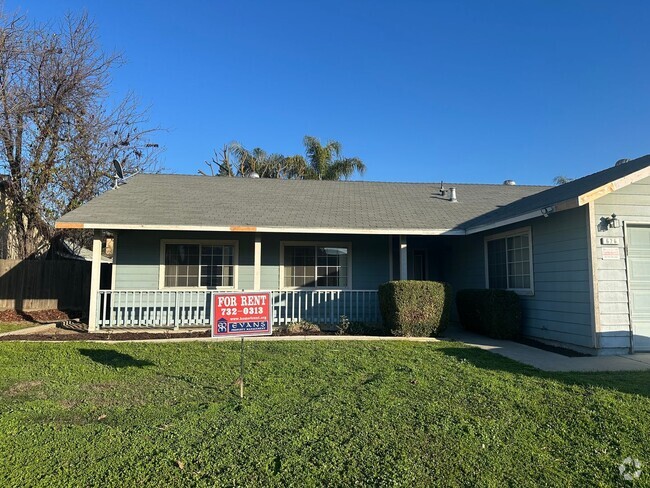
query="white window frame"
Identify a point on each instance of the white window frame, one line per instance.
(503, 235)
(207, 242)
(347, 245)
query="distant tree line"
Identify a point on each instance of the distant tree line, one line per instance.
(320, 162)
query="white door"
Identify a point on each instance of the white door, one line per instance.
(638, 242)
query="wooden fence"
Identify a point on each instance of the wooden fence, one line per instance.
(43, 285)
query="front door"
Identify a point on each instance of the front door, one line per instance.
(638, 241)
(419, 264)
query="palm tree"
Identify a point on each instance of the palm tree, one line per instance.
(325, 162)
(322, 162)
(561, 180)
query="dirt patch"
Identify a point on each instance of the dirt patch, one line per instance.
(22, 387)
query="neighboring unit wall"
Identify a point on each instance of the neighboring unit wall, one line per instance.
(138, 257)
(631, 204)
(559, 311)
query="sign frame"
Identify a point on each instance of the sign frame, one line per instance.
(240, 314)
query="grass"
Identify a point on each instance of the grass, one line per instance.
(10, 327)
(315, 413)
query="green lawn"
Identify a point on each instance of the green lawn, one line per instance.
(315, 413)
(10, 327)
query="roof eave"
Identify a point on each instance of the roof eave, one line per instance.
(264, 230)
(612, 186)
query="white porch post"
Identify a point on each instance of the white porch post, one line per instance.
(95, 271)
(257, 271)
(403, 268)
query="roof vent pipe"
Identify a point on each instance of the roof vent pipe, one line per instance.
(452, 195)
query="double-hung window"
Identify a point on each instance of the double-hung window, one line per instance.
(198, 264)
(509, 261)
(316, 265)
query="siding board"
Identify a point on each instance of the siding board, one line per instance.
(630, 204)
(138, 262)
(560, 309)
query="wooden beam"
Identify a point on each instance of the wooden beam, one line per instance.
(68, 225)
(239, 228)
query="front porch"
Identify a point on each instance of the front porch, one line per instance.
(156, 283)
(177, 309)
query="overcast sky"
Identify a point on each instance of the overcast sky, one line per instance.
(420, 90)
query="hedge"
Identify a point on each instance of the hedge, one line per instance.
(415, 308)
(495, 313)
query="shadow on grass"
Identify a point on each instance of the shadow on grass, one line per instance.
(109, 357)
(633, 382)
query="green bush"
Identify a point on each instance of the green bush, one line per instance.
(495, 313)
(415, 308)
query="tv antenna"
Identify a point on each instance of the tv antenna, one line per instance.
(119, 177)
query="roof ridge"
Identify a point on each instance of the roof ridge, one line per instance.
(436, 182)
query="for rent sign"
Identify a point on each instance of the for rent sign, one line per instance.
(241, 314)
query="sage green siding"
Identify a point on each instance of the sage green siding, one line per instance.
(559, 310)
(631, 204)
(137, 260)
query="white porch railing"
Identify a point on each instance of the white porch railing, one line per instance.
(192, 308)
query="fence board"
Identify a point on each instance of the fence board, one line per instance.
(31, 285)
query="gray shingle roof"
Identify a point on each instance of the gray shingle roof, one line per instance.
(562, 193)
(164, 201)
(173, 200)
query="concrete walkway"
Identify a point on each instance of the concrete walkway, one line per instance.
(550, 361)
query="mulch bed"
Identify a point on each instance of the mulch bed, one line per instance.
(105, 336)
(37, 316)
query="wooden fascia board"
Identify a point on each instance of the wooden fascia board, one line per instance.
(249, 229)
(612, 186)
(69, 225)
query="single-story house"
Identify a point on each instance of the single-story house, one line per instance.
(578, 254)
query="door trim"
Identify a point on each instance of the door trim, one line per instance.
(632, 328)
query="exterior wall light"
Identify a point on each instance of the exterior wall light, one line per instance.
(546, 210)
(612, 222)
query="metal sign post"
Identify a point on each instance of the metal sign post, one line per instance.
(241, 370)
(241, 315)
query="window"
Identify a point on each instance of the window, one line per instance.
(315, 266)
(198, 264)
(509, 261)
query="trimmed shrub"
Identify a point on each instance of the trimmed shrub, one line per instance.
(495, 313)
(415, 308)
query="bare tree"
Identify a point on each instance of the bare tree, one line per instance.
(59, 133)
